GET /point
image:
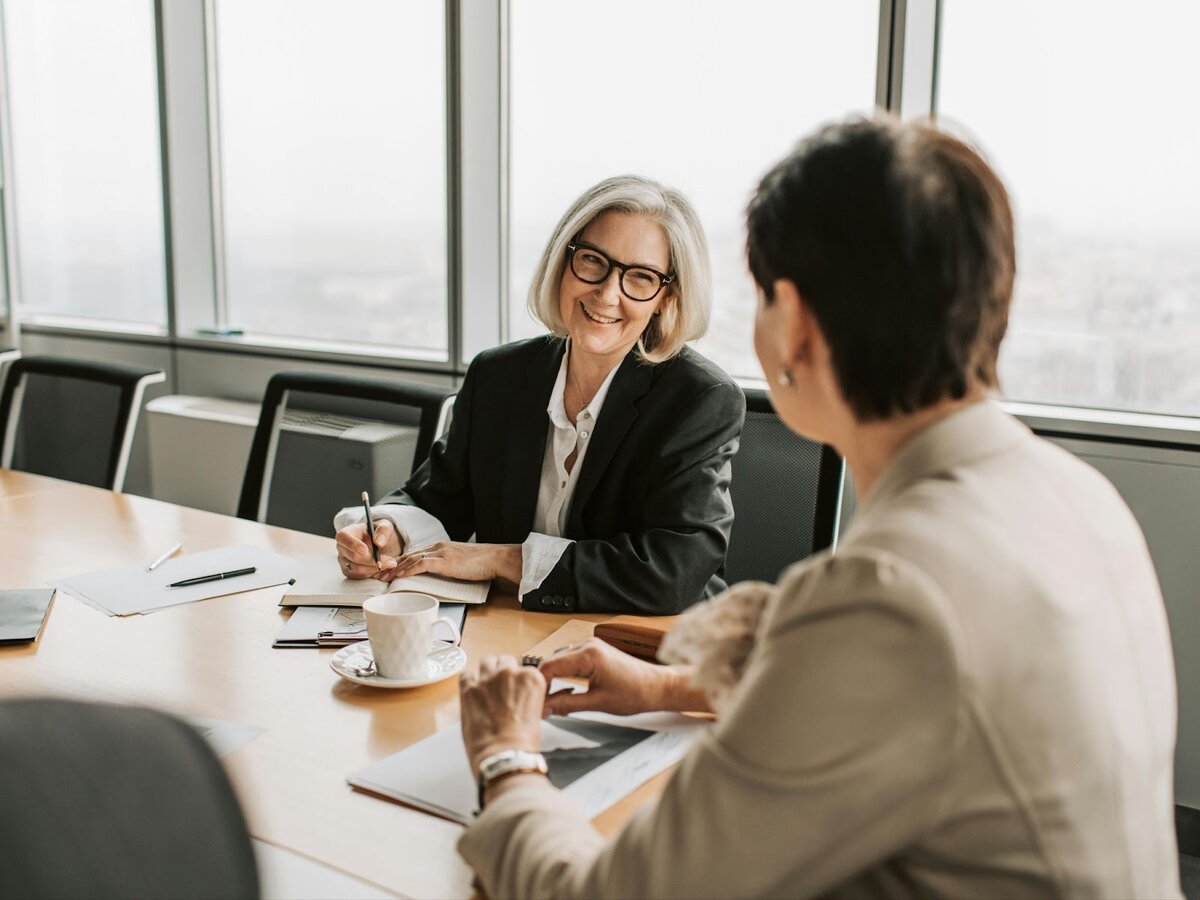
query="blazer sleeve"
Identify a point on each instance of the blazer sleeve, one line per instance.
(442, 484)
(833, 757)
(663, 567)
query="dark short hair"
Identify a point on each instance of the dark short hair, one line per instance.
(899, 237)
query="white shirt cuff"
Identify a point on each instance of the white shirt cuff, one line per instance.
(540, 553)
(415, 526)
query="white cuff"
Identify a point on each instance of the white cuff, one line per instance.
(415, 527)
(540, 553)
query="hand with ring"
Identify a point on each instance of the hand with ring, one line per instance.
(354, 550)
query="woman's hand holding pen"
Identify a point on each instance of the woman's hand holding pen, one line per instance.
(354, 550)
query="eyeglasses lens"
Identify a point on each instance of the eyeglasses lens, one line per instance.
(639, 284)
(589, 266)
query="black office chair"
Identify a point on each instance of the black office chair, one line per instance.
(785, 492)
(72, 419)
(323, 439)
(112, 801)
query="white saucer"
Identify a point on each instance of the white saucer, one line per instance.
(442, 664)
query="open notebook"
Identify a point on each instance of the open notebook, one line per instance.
(321, 585)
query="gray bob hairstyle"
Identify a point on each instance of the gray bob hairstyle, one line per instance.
(683, 319)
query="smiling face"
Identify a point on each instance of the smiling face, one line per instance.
(600, 319)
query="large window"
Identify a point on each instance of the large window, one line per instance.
(87, 181)
(1087, 110)
(701, 94)
(332, 124)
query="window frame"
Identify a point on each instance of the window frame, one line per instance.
(477, 138)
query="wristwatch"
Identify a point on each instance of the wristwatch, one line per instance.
(507, 762)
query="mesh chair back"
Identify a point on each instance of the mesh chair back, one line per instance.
(785, 496)
(111, 801)
(323, 439)
(72, 419)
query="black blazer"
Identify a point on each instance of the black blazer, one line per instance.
(651, 511)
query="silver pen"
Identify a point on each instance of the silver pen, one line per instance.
(162, 559)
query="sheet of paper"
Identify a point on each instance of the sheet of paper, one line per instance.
(595, 759)
(224, 737)
(126, 591)
(309, 623)
(444, 588)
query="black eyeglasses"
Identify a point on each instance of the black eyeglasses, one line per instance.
(591, 265)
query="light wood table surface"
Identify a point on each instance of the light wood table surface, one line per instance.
(214, 659)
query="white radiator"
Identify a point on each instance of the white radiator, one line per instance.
(198, 450)
(199, 447)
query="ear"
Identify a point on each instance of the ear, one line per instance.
(797, 334)
(668, 298)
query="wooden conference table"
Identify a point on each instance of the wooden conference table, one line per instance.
(213, 659)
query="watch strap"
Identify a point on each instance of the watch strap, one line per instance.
(507, 762)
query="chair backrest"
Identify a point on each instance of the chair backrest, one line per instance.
(72, 419)
(785, 492)
(111, 801)
(323, 439)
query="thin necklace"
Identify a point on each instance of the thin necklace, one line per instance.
(578, 392)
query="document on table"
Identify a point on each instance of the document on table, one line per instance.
(337, 626)
(594, 758)
(123, 592)
(224, 737)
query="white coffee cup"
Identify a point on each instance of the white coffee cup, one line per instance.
(400, 627)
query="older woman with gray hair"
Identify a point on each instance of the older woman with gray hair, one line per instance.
(591, 464)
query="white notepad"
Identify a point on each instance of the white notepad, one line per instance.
(321, 585)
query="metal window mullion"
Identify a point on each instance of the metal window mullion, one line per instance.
(10, 280)
(188, 188)
(221, 317)
(454, 154)
(481, 209)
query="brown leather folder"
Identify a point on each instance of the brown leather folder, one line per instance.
(636, 635)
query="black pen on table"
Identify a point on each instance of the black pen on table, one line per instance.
(370, 525)
(202, 579)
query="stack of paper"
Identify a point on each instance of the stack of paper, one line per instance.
(123, 592)
(337, 626)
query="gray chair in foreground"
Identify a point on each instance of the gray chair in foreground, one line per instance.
(112, 801)
(72, 419)
(785, 492)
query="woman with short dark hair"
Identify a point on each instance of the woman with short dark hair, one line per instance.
(974, 697)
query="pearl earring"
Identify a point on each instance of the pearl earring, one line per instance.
(784, 378)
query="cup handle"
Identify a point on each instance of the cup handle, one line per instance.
(454, 628)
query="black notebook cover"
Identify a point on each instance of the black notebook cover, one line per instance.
(22, 614)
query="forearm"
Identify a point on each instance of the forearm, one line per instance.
(677, 694)
(505, 562)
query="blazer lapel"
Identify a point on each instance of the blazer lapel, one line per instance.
(631, 383)
(526, 442)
